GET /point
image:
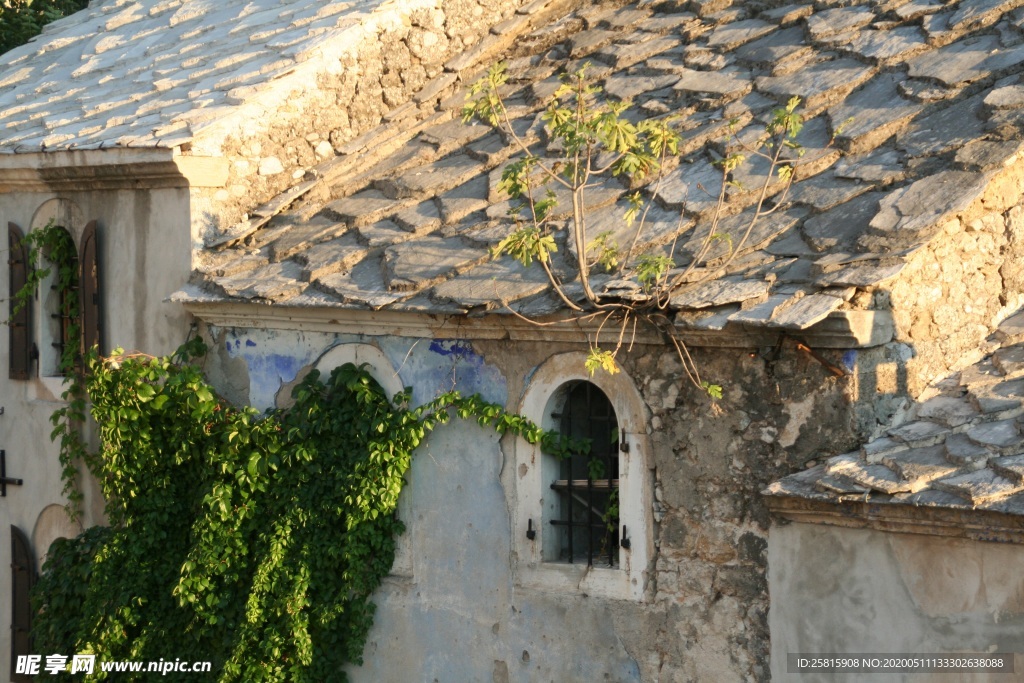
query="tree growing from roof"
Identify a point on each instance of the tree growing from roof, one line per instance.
(597, 139)
(22, 20)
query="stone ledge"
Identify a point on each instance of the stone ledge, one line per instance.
(977, 525)
(863, 328)
(113, 169)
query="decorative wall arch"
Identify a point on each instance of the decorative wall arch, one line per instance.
(63, 212)
(381, 369)
(52, 523)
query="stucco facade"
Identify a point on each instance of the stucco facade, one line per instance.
(144, 236)
(304, 193)
(858, 591)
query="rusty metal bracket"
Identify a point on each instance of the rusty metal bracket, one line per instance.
(4, 479)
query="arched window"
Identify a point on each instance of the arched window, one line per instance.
(59, 321)
(585, 510)
(583, 524)
(56, 317)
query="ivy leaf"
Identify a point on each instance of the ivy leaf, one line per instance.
(254, 465)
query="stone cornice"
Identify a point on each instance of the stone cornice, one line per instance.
(108, 169)
(841, 330)
(978, 525)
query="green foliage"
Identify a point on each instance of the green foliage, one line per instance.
(651, 269)
(526, 244)
(607, 250)
(21, 20)
(254, 541)
(595, 137)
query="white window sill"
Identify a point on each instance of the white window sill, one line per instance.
(562, 578)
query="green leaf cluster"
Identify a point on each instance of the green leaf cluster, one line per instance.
(253, 541)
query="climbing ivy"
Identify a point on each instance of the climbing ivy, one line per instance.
(253, 541)
(250, 540)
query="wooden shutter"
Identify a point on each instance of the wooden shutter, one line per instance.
(89, 289)
(23, 576)
(19, 323)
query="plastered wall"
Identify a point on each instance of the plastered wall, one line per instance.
(854, 591)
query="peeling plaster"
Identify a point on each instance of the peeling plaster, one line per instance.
(432, 367)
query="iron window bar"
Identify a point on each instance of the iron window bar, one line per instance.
(588, 415)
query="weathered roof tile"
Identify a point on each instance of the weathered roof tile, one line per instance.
(413, 266)
(492, 284)
(819, 85)
(730, 36)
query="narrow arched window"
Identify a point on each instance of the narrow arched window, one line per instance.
(587, 487)
(60, 323)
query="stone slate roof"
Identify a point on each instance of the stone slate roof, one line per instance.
(157, 73)
(404, 218)
(964, 450)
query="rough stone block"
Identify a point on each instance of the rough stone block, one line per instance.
(719, 293)
(921, 466)
(928, 202)
(960, 450)
(919, 434)
(830, 22)
(950, 411)
(981, 487)
(1001, 435)
(730, 36)
(361, 286)
(334, 256)
(966, 61)
(874, 477)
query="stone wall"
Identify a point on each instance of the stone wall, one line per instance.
(455, 608)
(954, 291)
(781, 408)
(379, 76)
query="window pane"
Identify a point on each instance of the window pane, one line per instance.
(587, 521)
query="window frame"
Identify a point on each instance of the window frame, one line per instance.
(628, 581)
(42, 332)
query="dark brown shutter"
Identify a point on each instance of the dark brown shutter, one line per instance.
(19, 322)
(23, 576)
(89, 288)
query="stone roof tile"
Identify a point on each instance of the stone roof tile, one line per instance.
(922, 72)
(953, 456)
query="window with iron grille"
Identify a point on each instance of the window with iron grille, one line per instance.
(587, 488)
(583, 525)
